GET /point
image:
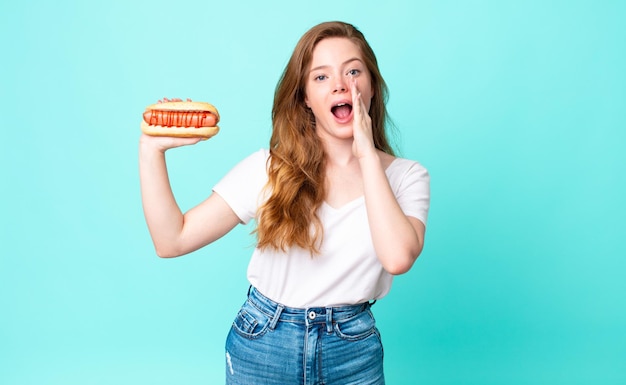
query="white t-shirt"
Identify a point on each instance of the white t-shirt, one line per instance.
(347, 270)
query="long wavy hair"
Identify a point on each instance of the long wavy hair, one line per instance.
(296, 167)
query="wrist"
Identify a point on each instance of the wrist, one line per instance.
(370, 158)
(148, 144)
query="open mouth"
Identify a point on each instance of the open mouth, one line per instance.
(341, 110)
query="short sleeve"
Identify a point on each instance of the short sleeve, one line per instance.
(411, 184)
(241, 187)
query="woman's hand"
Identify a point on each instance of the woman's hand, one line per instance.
(363, 144)
(163, 143)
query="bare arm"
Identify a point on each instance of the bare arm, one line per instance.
(174, 233)
(398, 239)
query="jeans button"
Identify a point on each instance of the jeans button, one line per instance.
(312, 315)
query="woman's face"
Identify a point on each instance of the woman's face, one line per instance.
(335, 63)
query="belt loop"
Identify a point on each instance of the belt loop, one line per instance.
(274, 321)
(329, 319)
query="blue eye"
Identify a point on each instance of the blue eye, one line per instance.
(354, 72)
(320, 77)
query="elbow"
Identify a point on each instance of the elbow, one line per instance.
(165, 255)
(398, 254)
(165, 247)
(401, 262)
(398, 267)
(165, 252)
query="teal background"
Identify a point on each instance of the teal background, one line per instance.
(517, 108)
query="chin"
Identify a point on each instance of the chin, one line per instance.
(344, 133)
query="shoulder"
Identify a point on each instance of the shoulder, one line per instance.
(395, 164)
(249, 169)
(401, 167)
(255, 161)
(242, 185)
(410, 182)
(405, 173)
(260, 155)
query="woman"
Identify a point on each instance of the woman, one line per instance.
(337, 217)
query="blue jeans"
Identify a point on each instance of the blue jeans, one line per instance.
(273, 344)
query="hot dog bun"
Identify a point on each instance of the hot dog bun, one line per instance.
(181, 119)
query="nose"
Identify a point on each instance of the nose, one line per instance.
(340, 86)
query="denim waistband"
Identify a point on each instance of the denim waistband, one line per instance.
(312, 315)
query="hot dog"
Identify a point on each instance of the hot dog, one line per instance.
(181, 119)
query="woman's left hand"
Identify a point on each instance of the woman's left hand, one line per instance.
(363, 144)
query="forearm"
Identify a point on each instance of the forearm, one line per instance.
(163, 216)
(396, 241)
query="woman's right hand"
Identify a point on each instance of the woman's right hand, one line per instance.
(163, 143)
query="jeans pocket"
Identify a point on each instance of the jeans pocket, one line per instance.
(358, 327)
(250, 322)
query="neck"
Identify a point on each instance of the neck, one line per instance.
(339, 153)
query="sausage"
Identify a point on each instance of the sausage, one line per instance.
(180, 118)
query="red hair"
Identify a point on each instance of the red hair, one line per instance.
(297, 158)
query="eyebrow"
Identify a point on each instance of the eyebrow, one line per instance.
(344, 63)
